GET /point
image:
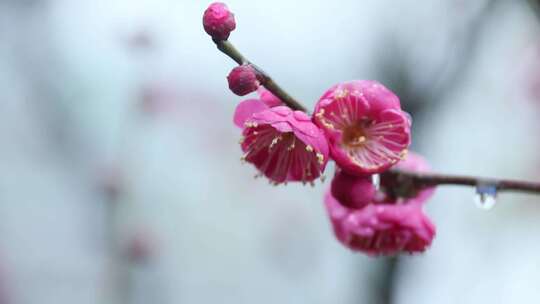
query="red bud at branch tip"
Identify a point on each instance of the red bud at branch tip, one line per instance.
(218, 21)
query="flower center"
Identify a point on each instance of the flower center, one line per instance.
(354, 135)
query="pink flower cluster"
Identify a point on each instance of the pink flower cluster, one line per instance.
(368, 133)
(361, 126)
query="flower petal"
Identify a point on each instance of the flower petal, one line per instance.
(380, 229)
(268, 98)
(246, 109)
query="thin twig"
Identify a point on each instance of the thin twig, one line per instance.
(424, 180)
(228, 49)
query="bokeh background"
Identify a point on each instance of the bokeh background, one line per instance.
(120, 178)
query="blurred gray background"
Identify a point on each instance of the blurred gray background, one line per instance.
(120, 178)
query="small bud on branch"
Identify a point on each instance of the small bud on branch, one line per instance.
(228, 49)
(243, 80)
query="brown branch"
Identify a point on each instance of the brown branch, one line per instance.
(403, 183)
(425, 180)
(228, 49)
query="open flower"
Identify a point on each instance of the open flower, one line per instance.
(377, 222)
(284, 145)
(366, 129)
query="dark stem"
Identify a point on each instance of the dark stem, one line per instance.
(403, 182)
(425, 180)
(228, 49)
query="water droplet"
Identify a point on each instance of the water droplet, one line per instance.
(486, 196)
(376, 181)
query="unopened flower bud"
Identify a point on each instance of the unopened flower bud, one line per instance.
(218, 21)
(243, 80)
(352, 191)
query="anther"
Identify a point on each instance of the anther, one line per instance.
(320, 158)
(341, 94)
(403, 154)
(275, 141)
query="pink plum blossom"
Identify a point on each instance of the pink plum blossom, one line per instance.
(366, 129)
(284, 145)
(380, 229)
(376, 222)
(157, 98)
(141, 246)
(218, 21)
(243, 80)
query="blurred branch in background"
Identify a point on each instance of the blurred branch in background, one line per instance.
(128, 247)
(401, 76)
(117, 283)
(5, 297)
(535, 6)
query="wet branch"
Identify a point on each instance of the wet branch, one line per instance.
(403, 180)
(426, 180)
